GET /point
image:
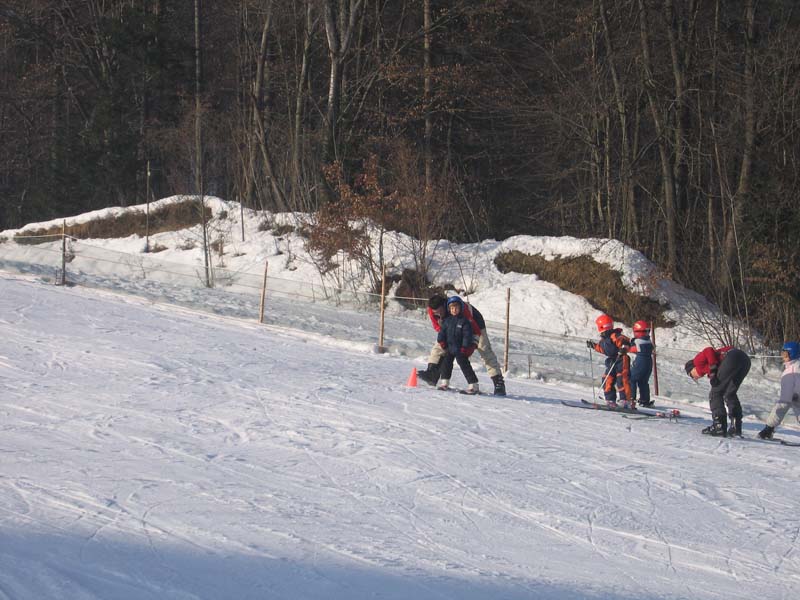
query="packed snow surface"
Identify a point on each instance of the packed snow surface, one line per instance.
(149, 451)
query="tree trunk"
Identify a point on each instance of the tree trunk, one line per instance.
(667, 172)
(625, 175)
(198, 139)
(680, 44)
(427, 91)
(741, 197)
(298, 117)
(339, 26)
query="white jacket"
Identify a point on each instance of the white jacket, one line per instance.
(790, 382)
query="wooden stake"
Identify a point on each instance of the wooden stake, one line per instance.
(147, 217)
(64, 253)
(655, 366)
(263, 293)
(508, 314)
(381, 349)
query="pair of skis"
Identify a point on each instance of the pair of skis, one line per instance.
(663, 413)
(654, 413)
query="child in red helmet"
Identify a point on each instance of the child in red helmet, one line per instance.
(616, 378)
(642, 364)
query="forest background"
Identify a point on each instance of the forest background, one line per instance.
(671, 125)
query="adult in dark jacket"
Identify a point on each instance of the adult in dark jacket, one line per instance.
(457, 340)
(437, 311)
(726, 369)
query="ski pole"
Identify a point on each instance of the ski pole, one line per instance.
(608, 373)
(591, 371)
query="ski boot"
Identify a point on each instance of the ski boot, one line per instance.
(766, 433)
(444, 385)
(430, 375)
(472, 389)
(718, 428)
(499, 385)
(735, 429)
(735, 419)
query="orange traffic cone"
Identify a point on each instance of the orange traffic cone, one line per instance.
(412, 379)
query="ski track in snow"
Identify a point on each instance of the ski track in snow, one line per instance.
(155, 453)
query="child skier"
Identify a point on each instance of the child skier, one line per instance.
(615, 346)
(437, 310)
(790, 390)
(642, 364)
(458, 341)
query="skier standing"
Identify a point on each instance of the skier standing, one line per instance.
(616, 378)
(456, 339)
(790, 390)
(642, 364)
(436, 312)
(726, 369)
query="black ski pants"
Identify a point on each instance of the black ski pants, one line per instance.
(730, 375)
(463, 362)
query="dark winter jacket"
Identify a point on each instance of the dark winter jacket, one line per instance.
(473, 314)
(642, 350)
(612, 343)
(456, 333)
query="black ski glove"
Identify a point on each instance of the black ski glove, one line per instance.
(590, 344)
(712, 375)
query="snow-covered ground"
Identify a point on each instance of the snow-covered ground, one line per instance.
(149, 450)
(157, 442)
(548, 325)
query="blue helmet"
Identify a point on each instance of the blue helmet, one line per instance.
(793, 349)
(454, 300)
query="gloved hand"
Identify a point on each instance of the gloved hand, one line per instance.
(623, 351)
(590, 344)
(443, 345)
(712, 375)
(467, 350)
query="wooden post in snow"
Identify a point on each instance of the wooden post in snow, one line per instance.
(147, 216)
(64, 253)
(263, 293)
(381, 349)
(508, 314)
(655, 366)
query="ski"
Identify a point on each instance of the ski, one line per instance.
(465, 392)
(597, 406)
(774, 440)
(649, 411)
(625, 412)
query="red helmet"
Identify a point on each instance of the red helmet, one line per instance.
(641, 326)
(604, 323)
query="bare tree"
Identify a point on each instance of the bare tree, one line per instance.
(340, 21)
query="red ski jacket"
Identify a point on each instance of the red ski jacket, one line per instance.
(708, 358)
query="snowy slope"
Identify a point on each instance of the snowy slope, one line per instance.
(548, 325)
(151, 451)
(250, 237)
